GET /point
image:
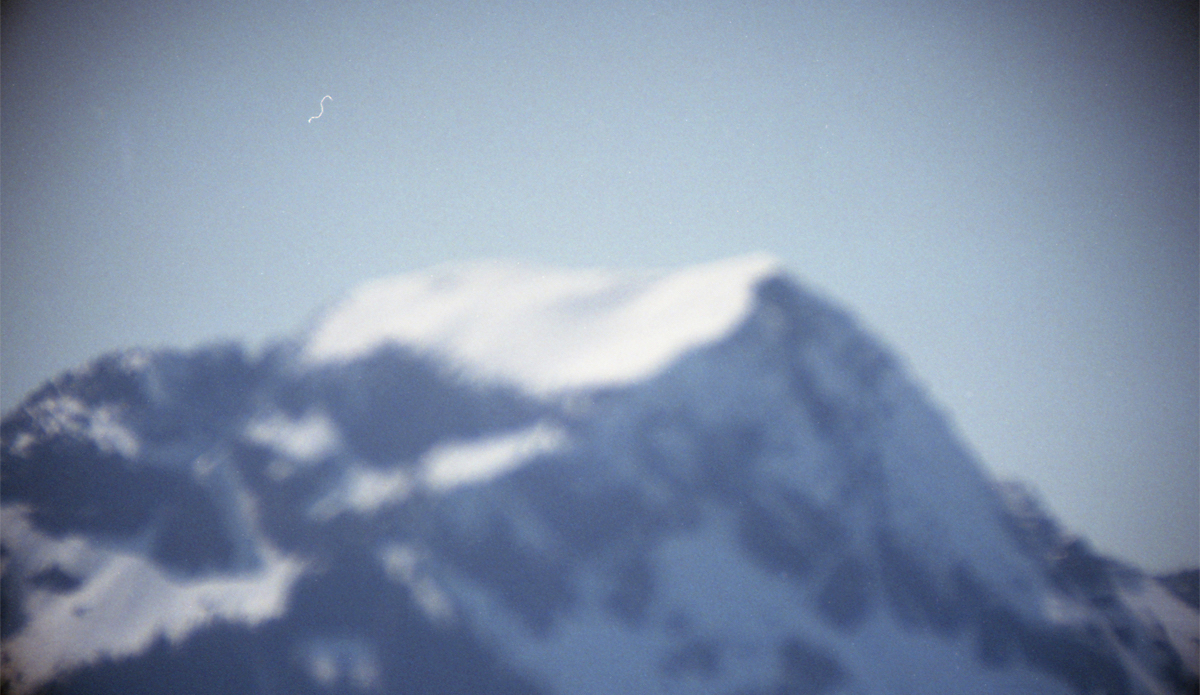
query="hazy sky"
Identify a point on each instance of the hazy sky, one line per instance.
(1006, 192)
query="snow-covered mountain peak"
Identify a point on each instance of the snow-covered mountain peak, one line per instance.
(742, 492)
(544, 330)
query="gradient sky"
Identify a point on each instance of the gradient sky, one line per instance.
(1005, 193)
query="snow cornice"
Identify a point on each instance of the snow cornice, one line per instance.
(542, 329)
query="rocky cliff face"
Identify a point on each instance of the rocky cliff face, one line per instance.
(494, 479)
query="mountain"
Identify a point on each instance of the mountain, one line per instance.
(496, 478)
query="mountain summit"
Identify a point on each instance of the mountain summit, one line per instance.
(499, 478)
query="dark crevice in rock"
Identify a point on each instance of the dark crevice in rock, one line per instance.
(807, 670)
(790, 536)
(845, 597)
(533, 585)
(698, 658)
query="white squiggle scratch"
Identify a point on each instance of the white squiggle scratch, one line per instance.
(310, 120)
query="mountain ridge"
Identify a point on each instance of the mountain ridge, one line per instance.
(772, 507)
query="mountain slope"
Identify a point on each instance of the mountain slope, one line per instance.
(492, 478)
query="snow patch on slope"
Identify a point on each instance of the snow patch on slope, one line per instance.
(365, 489)
(719, 624)
(67, 415)
(307, 439)
(125, 601)
(1155, 605)
(545, 330)
(455, 464)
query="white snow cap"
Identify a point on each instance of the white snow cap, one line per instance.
(545, 330)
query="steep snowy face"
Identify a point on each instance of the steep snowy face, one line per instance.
(543, 329)
(488, 478)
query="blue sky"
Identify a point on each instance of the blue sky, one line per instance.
(1005, 193)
